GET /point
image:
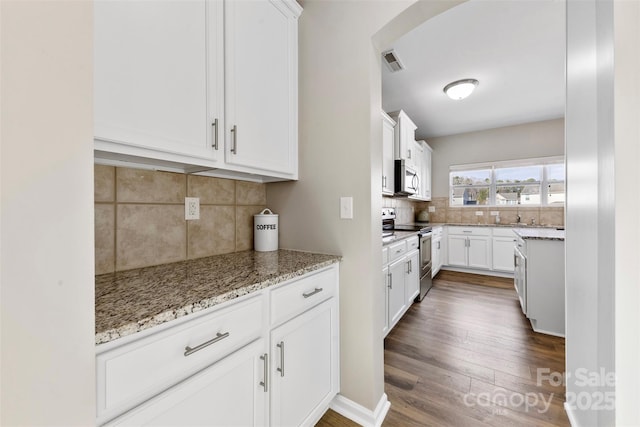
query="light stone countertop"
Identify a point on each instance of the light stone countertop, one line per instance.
(131, 301)
(540, 233)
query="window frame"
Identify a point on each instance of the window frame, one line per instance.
(493, 186)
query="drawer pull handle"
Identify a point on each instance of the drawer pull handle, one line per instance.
(188, 350)
(467, 231)
(398, 251)
(265, 359)
(280, 345)
(312, 293)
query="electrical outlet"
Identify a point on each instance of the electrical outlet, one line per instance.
(494, 213)
(432, 208)
(191, 208)
(479, 213)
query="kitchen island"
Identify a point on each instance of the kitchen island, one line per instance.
(539, 278)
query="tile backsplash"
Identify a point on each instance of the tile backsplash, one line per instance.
(543, 215)
(407, 209)
(139, 217)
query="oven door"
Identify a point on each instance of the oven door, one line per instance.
(425, 252)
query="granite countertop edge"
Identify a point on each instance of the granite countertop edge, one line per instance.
(539, 234)
(533, 232)
(147, 322)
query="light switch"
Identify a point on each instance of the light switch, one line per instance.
(346, 207)
(432, 208)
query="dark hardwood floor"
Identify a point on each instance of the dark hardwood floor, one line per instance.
(466, 356)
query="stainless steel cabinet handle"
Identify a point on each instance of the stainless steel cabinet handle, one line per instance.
(188, 350)
(398, 251)
(234, 133)
(315, 291)
(265, 359)
(390, 280)
(438, 245)
(215, 134)
(467, 231)
(384, 182)
(280, 345)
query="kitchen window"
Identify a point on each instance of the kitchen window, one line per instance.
(534, 182)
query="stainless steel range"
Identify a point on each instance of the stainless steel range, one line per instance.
(424, 232)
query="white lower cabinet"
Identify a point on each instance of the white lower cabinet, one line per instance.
(503, 254)
(232, 391)
(469, 247)
(397, 298)
(401, 278)
(385, 286)
(412, 278)
(268, 358)
(302, 372)
(437, 251)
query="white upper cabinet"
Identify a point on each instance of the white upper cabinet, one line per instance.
(405, 136)
(261, 86)
(150, 75)
(388, 131)
(196, 85)
(426, 171)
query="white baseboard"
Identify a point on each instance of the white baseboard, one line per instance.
(570, 414)
(358, 413)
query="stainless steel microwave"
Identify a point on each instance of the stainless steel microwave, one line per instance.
(406, 179)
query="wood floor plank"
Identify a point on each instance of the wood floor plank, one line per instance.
(466, 356)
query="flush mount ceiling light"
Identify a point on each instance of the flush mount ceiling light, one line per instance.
(460, 89)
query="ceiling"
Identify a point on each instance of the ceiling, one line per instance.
(514, 48)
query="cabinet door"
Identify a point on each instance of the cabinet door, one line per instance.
(417, 153)
(396, 291)
(436, 256)
(385, 283)
(229, 393)
(261, 86)
(412, 278)
(457, 250)
(503, 253)
(150, 75)
(426, 174)
(479, 252)
(304, 366)
(388, 126)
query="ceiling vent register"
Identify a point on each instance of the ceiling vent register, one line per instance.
(392, 61)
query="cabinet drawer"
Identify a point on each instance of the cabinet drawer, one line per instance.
(385, 256)
(503, 232)
(413, 243)
(437, 231)
(397, 250)
(134, 372)
(293, 298)
(475, 231)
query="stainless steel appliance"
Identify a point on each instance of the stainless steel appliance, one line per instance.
(389, 225)
(425, 264)
(406, 179)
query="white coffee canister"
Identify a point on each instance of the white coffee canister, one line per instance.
(265, 231)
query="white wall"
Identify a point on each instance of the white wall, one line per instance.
(336, 56)
(538, 139)
(627, 220)
(340, 155)
(46, 229)
(590, 207)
